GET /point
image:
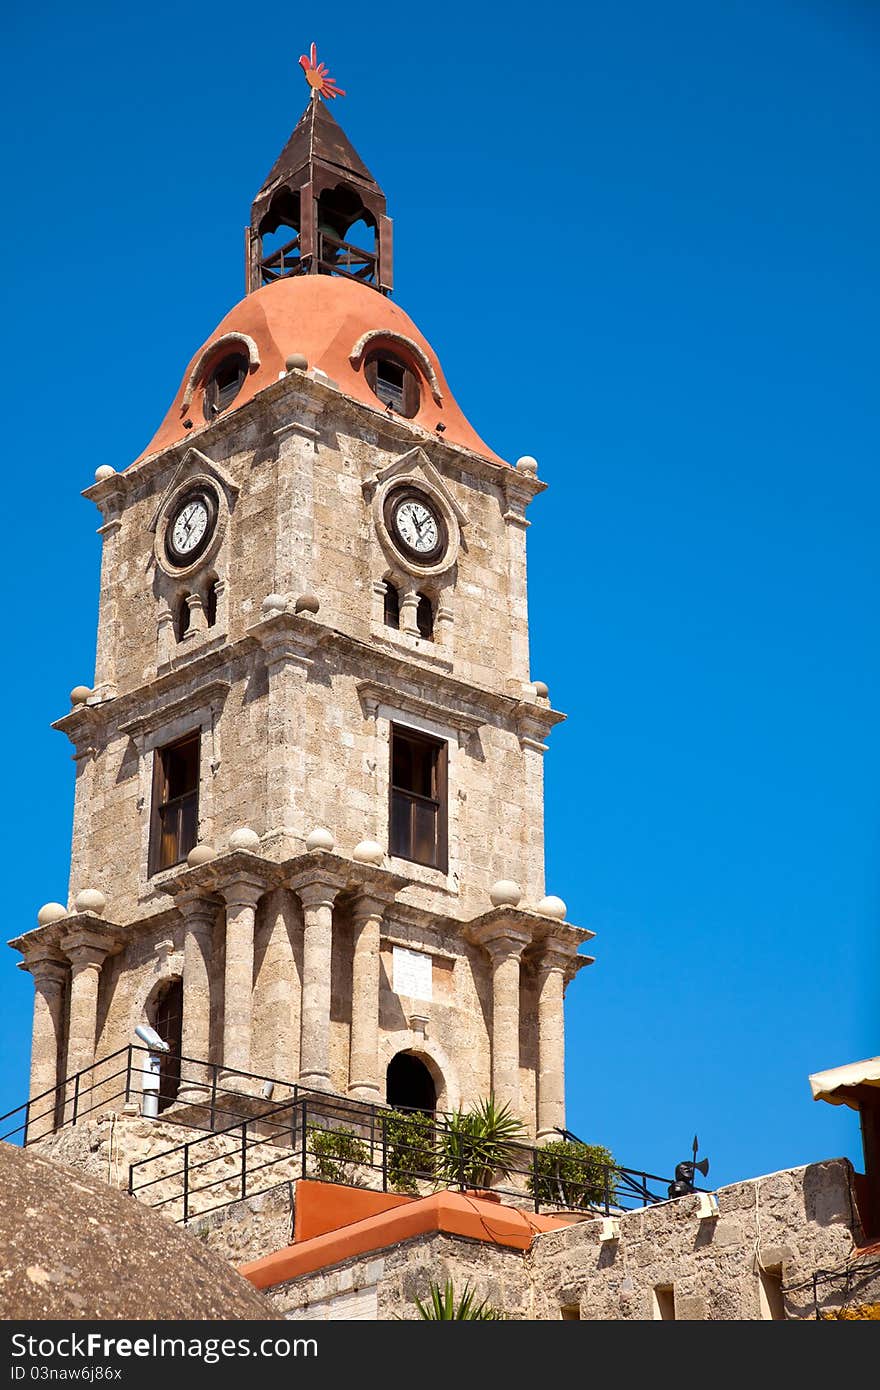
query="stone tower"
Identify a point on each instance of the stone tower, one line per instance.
(308, 821)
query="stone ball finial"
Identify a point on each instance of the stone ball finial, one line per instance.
(320, 838)
(527, 465)
(552, 907)
(368, 852)
(296, 362)
(90, 900)
(51, 912)
(505, 893)
(541, 690)
(306, 603)
(244, 838)
(79, 694)
(274, 603)
(104, 472)
(200, 854)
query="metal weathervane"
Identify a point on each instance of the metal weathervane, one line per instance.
(318, 78)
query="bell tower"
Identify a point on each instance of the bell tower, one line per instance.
(308, 823)
(318, 190)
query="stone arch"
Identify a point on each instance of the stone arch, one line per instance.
(440, 1066)
(410, 1083)
(163, 1009)
(242, 341)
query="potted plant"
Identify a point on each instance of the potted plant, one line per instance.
(477, 1146)
(575, 1176)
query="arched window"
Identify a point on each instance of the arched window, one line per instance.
(393, 381)
(425, 618)
(224, 383)
(181, 618)
(392, 606)
(409, 1084)
(211, 603)
(168, 1022)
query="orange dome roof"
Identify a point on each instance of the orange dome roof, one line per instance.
(333, 323)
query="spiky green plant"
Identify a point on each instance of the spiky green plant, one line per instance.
(477, 1144)
(442, 1306)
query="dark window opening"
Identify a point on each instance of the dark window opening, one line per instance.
(181, 623)
(224, 383)
(346, 238)
(392, 607)
(211, 604)
(571, 1312)
(168, 1023)
(771, 1299)
(175, 809)
(418, 798)
(409, 1085)
(664, 1302)
(425, 618)
(393, 382)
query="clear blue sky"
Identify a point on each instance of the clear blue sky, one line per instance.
(643, 239)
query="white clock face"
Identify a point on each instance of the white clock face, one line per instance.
(189, 526)
(417, 525)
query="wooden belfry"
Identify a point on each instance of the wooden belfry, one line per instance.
(318, 188)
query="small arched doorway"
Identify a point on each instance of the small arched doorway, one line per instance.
(167, 1020)
(409, 1084)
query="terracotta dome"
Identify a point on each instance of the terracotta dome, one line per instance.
(333, 323)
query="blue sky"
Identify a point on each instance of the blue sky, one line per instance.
(643, 240)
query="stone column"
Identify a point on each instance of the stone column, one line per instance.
(50, 971)
(518, 498)
(363, 1068)
(288, 670)
(505, 951)
(317, 899)
(409, 607)
(110, 500)
(278, 987)
(551, 1044)
(241, 907)
(198, 622)
(199, 917)
(86, 952)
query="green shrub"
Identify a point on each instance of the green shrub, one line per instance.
(572, 1175)
(338, 1153)
(477, 1144)
(409, 1149)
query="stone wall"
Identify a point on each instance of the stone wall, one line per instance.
(789, 1223)
(406, 1272)
(107, 1146)
(298, 518)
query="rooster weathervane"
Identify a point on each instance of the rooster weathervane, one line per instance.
(317, 76)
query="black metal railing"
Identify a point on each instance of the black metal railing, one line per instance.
(332, 1139)
(247, 1143)
(207, 1096)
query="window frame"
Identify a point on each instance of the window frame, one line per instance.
(213, 401)
(160, 802)
(411, 392)
(441, 800)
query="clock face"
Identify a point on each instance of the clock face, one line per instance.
(190, 525)
(190, 528)
(415, 525)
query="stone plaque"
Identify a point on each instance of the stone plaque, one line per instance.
(412, 973)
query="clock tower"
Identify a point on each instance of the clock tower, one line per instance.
(308, 824)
